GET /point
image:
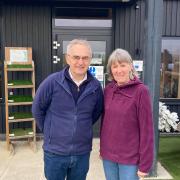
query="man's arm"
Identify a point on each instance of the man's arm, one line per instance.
(98, 109)
(41, 102)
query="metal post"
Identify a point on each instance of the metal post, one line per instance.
(152, 59)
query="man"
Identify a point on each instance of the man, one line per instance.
(65, 107)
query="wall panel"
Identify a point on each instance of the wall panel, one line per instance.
(171, 25)
(28, 25)
(129, 29)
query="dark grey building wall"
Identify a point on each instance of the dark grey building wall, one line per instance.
(2, 123)
(129, 25)
(129, 29)
(171, 22)
(29, 26)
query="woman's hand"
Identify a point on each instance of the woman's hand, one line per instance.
(100, 157)
(141, 174)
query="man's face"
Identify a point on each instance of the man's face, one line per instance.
(79, 60)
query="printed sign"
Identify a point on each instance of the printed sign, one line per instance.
(138, 65)
(18, 55)
(97, 71)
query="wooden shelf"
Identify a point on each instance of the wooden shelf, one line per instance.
(21, 137)
(20, 69)
(19, 103)
(19, 98)
(20, 86)
(21, 120)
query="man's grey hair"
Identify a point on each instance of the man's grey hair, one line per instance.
(81, 42)
(119, 56)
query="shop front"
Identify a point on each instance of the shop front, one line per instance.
(48, 26)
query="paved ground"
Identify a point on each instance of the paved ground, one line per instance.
(27, 165)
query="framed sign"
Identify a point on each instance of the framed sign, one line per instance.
(18, 55)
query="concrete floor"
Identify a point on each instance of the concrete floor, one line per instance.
(27, 165)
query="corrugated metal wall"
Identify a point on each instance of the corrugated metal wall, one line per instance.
(171, 24)
(2, 123)
(130, 36)
(129, 29)
(28, 25)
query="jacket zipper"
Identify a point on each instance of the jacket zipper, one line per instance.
(50, 133)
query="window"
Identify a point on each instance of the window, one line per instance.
(98, 52)
(83, 17)
(170, 68)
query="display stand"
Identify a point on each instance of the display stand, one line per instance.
(19, 83)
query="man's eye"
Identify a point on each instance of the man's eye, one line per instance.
(85, 58)
(76, 57)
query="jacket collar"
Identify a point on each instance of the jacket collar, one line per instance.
(92, 85)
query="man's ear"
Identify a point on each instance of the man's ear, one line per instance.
(67, 58)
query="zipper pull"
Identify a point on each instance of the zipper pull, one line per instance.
(78, 89)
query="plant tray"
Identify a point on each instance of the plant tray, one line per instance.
(20, 66)
(20, 132)
(20, 115)
(19, 82)
(20, 98)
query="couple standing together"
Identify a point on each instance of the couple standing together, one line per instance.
(69, 102)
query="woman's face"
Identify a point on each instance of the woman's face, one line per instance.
(120, 72)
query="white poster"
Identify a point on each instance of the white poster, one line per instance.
(18, 55)
(97, 71)
(138, 65)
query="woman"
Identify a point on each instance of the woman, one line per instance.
(126, 140)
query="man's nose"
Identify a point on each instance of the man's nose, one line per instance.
(81, 60)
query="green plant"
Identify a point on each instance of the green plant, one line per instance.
(20, 131)
(20, 66)
(20, 82)
(20, 98)
(21, 115)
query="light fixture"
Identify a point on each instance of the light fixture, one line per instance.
(125, 0)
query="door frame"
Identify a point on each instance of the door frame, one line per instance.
(71, 34)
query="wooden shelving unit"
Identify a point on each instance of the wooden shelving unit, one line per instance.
(15, 119)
